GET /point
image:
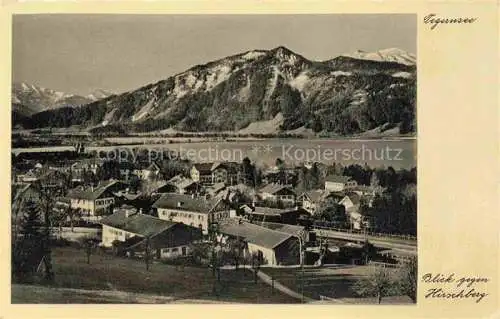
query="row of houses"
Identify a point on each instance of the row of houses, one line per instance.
(135, 232)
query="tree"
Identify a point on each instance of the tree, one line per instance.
(46, 207)
(27, 251)
(88, 244)
(333, 212)
(408, 279)
(147, 253)
(73, 214)
(379, 283)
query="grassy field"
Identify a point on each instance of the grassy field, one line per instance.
(333, 282)
(109, 273)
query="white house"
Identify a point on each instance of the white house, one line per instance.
(339, 183)
(277, 192)
(275, 247)
(92, 201)
(191, 210)
(136, 231)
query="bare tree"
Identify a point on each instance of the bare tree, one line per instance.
(408, 278)
(379, 283)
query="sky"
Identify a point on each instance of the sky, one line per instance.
(81, 53)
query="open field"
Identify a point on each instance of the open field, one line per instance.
(333, 282)
(162, 281)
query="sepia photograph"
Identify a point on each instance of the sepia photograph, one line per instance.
(224, 159)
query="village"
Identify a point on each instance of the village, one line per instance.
(282, 223)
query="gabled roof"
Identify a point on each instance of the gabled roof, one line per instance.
(153, 167)
(316, 195)
(254, 234)
(354, 197)
(294, 230)
(231, 167)
(204, 168)
(186, 203)
(216, 188)
(338, 178)
(88, 193)
(141, 224)
(275, 188)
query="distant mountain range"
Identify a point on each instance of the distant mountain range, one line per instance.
(386, 55)
(29, 99)
(259, 91)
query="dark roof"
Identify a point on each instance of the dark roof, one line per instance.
(338, 178)
(153, 167)
(231, 167)
(294, 230)
(141, 224)
(252, 233)
(89, 194)
(316, 195)
(185, 202)
(204, 168)
(274, 188)
(215, 188)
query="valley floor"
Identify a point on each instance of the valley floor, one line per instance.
(110, 279)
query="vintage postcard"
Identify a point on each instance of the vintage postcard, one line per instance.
(337, 156)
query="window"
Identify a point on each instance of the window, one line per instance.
(174, 250)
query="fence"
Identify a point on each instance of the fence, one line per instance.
(385, 265)
(368, 233)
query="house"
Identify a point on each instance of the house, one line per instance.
(277, 192)
(275, 247)
(294, 230)
(218, 172)
(202, 172)
(285, 216)
(151, 171)
(216, 189)
(191, 210)
(165, 239)
(352, 204)
(114, 186)
(92, 165)
(311, 200)
(339, 183)
(93, 201)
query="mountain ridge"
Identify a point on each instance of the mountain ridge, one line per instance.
(344, 95)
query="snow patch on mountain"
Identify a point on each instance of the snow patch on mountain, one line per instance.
(217, 75)
(385, 55)
(252, 55)
(405, 75)
(300, 81)
(340, 73)
(144, 111)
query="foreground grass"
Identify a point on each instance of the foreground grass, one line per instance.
(110, 273)
(334, 282)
